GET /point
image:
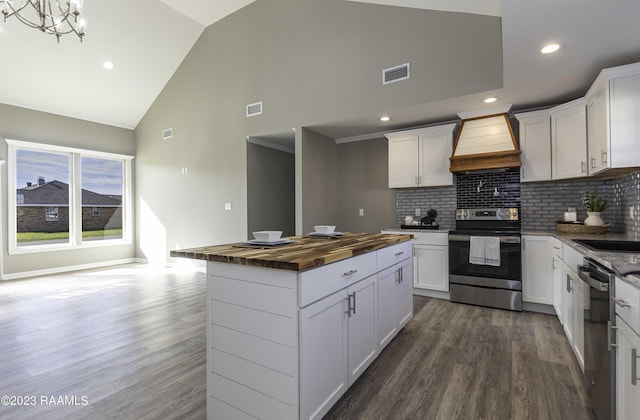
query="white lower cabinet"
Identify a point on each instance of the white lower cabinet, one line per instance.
(431, 261)
(337, 343)
(573, 299)
(395, 301)
(537, 269)
(556, 271)
(627, 376)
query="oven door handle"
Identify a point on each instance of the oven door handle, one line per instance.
(467, 238)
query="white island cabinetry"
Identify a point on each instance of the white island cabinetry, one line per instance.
(285, 344)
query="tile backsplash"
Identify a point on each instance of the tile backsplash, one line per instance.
(541, 204)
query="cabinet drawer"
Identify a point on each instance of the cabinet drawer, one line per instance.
(627, 304)
(393, 254)
(572, 257)
(320, 282)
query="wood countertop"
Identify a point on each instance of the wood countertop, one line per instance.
(303, 254)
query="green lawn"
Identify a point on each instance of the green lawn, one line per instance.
(53, 236)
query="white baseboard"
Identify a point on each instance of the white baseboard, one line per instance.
(431, 293)
(58, 270)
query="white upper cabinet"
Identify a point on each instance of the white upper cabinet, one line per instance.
(613, 114)
(420, 158)
(569, 140)
(535, 144)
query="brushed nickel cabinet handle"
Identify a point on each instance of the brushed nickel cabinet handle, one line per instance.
(399, 253)
(354, 302)
(348, 311)
(583, 167)
(568, 284)
(610, 335)
(634, 358)
(350, 272)
(593, 163)
(401, 274)
(621, 303)
(603, 157)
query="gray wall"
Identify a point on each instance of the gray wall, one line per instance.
(40, 127)
(363, 179)
(270, 190)
(319, 181)
(310, 62)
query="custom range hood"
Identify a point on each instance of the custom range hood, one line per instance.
(485, 143)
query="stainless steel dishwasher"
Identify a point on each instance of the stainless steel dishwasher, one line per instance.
(599, 360)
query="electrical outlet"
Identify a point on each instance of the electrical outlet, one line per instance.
(228, 206)
(631, 213)
(417, 212)
(361, 212)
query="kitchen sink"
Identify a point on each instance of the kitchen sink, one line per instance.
(609, 246)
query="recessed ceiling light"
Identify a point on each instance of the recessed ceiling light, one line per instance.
(550, 48)
(490, 99)
(385, 118)
(108, 65)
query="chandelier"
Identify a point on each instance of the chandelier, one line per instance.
(50, 16)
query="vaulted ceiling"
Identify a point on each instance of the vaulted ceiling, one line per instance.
(148, 39)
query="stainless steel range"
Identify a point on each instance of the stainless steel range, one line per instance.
(485, 266)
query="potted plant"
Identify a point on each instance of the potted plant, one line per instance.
(594, 206)
(432, 214)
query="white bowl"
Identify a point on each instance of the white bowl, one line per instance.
(267, 235)
(324, 229)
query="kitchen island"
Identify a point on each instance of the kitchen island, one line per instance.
(291, 327)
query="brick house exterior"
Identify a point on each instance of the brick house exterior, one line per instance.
(44, 207)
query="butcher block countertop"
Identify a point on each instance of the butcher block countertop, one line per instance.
(303, 254)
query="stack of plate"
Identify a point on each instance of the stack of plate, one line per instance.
(269, 238)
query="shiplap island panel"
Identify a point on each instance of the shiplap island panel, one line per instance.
(290, 328)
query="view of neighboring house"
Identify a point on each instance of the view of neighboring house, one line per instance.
(44, 207)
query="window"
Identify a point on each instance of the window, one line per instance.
(52, 214)
(62, 197)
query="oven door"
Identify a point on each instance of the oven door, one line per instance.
(508, 275)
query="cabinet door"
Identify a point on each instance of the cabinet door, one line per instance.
(569, 141)
(324, 374)
(404, 293)
(535, 144)
(558, 304)
(597, 132)
(435, 151)
(537, 269)
(431, 265)
(363, 344)
(624, 97)
(387, 325)
(403, 161)
(627, 376)
(578, 318)
(567, 298)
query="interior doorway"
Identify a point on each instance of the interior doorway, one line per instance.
(271, 183)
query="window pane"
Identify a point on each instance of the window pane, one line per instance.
(102, 190)
(42, 198)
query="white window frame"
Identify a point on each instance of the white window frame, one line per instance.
(75, 199)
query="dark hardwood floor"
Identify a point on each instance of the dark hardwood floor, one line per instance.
(129, 343)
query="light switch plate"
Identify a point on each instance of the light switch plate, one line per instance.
(361, 212)
(417, 212)
(228, 206)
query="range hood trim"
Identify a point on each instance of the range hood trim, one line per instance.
(503, 159)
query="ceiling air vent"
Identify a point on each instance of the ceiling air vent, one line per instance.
(395, 74)
(254, 109)
(167, 133)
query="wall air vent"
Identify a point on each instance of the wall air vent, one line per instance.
(254, 109)
(167, 133)
(396, 74)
